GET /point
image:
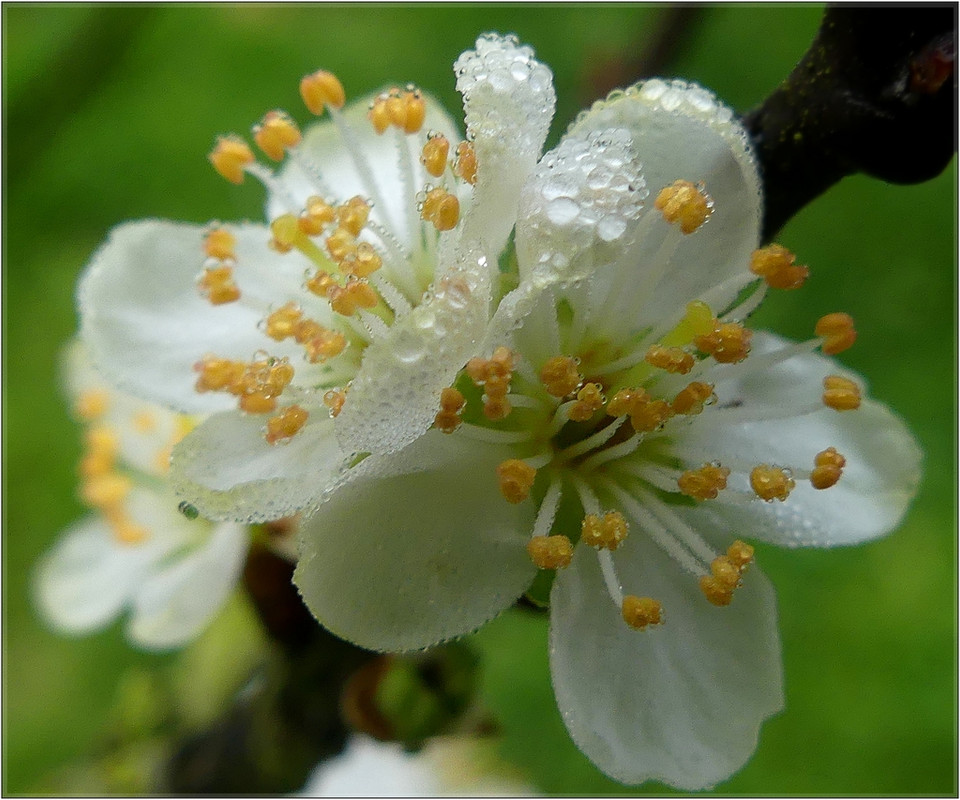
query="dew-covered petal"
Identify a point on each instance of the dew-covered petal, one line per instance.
(681, 702)
(396, 392)
(341, 159)
(415, 548)
(580, 206)
(508, 102)
(175, 603)
(227, 469)
(680, 131)
(146, 323)
(880, 478)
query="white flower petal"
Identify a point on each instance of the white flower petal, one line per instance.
(879, 480)
(681, 702)
(227, 470)
(396, 392)
(681, 131)
(508, 102)
(146, 323)
(342, 161)
(397, 559)
(174, 604)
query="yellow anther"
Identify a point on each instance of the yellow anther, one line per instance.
(144, 421)
(102, 439)
(640, 612)
(840, 394)
(218, 286)
(837, 331)
(434, 155)
(494, 373)
(219, 243)
(771, 483)
(728, 343)
(686, 205)
(466, 166)
(828, 467)
(589, 402)
(648, 415)
(497, 407)
(275, 134)
(415, 111)
(286, 424)
(282, 323)
(124, 529)
(625, 401)
(550, 552)
(606, 533)
(741, 554)
(715, 591)
(92, 404)
(671, 359)
(516, 479)
(691, 399)
(218, 374)
(497, 386)
(278, 377)
(379, 115)
(258, 402)
(103, 491)
(229, 156)
(353, 215)
(441, 208)
(704, 483)
(501, 363)
(561, 376)
(334, 400)
(321, 283)
(317, 214)
(286, 233)
(365, 261)
(775, 265)
(340, 244)
(325, 344)
(356, 294)
(451, 405)
(321, 89)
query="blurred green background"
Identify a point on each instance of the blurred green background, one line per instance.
(109, 115)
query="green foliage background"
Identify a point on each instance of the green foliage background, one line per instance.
(109, 115)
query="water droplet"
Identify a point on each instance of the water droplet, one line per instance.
(562, 211)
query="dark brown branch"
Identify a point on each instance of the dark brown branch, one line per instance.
(874, 94)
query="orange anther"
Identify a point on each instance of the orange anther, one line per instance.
(353, 215)
(671, 359)
(441, 208)
(321, 283)
(837, 331)
(649, 415)
(451, 404)
(218, 374)
(219, 243)
(258, 402)
(286, 424)
(589, 402)
(275, 134)
(728, 343)
(466, 166)
(92, 403)
(229, 156)
(840, 394)
(325, 344)
(321, 89)
(560, 376)
(691, 399)
(434, 155)
(340, 244)
(640, 612)
(516, 479)
(684, 204)
(828, 467)
(550, 552)
(282, 323)
(775, 265)
(334, 400)
(317, 214)
(704, 483)
(771, 483)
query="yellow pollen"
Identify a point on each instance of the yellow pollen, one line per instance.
(840, 394)
(321, 89)
(487, 371)
(103, 491)
(416, 112)
(683, 203)
(560, 376)
(229, 156)
(356, 294)
(828, 467)
(704, 483)
(604, 533)
(466, 166)
(404, 110)
(219, 243)
(441, 208)
(649, 415)
(771, 483)
(282, 323)
(451, 405)
(324, 345)
(144, 421)
(218, 374)
(775, 265)
(363, 263)
(353, 215)
(218, 286)
(516, 479)
(286, 424)
(378, 115)
(691, 399)
(725, 573)
(589, 402)
(671, 359)
(340, 244)
(434, 155)
(741, 554)
(286, 233)
(837, 331)
(624, 401)
(550, 552)
(276, 134)
(92, 404)
(317, 214)
(728, 343)
(334, 400)
(258, 403)
(321, 283)
(640, 612)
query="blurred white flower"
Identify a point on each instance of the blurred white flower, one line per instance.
(136, 553)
